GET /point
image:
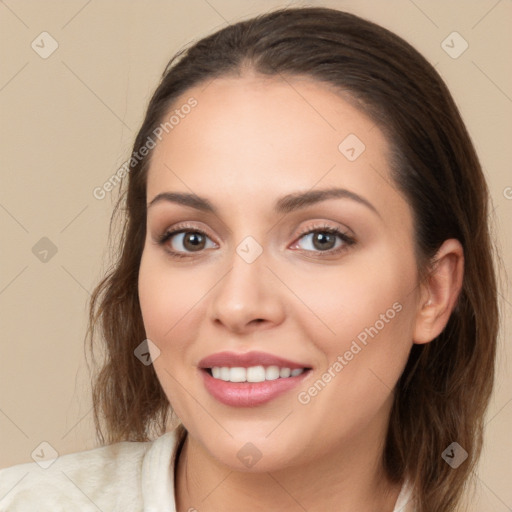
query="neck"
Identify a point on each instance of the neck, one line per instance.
(347, 479)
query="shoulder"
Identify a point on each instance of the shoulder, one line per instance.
(405, 502)
(105, 478)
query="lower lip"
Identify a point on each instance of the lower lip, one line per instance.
(250, 394)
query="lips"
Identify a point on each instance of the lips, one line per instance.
(250, 379)
(248, 359)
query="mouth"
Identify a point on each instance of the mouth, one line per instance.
(253, 373)
(250, 379)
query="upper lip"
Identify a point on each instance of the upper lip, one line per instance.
(247, 359)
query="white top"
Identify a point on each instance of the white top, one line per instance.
(122, 477)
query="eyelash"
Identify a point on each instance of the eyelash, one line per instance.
(184, 228)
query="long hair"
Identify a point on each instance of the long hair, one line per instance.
(444, 390)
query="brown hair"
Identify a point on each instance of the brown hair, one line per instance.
(444, 390)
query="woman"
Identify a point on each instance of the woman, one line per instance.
(306, 264)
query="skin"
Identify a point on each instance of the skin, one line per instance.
(249, 141)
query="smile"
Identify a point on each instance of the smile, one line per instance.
(250, 379)
(253, 373)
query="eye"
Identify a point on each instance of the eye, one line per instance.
(183, 240)
(325, 239)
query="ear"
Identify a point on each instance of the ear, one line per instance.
(439, 295)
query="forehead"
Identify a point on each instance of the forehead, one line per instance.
(260, 138)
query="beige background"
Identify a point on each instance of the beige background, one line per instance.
(67, 123)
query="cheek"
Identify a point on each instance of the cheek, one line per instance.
(171, 305)
(347, 302)
(168, 298)
(367, 316)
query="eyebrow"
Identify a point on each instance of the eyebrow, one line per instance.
(285, 204)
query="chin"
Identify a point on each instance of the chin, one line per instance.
(250, 449)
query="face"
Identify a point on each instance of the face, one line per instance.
(255, 282)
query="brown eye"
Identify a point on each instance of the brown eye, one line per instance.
(193, 241)
(325, 240)
(186, 241)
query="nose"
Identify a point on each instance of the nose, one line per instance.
(248, 297)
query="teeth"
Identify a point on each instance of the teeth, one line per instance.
(272, 373)
(225, 373)
(237, 374)
(253, 373)
(284, 372)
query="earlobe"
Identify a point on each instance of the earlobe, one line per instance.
(440, 294)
